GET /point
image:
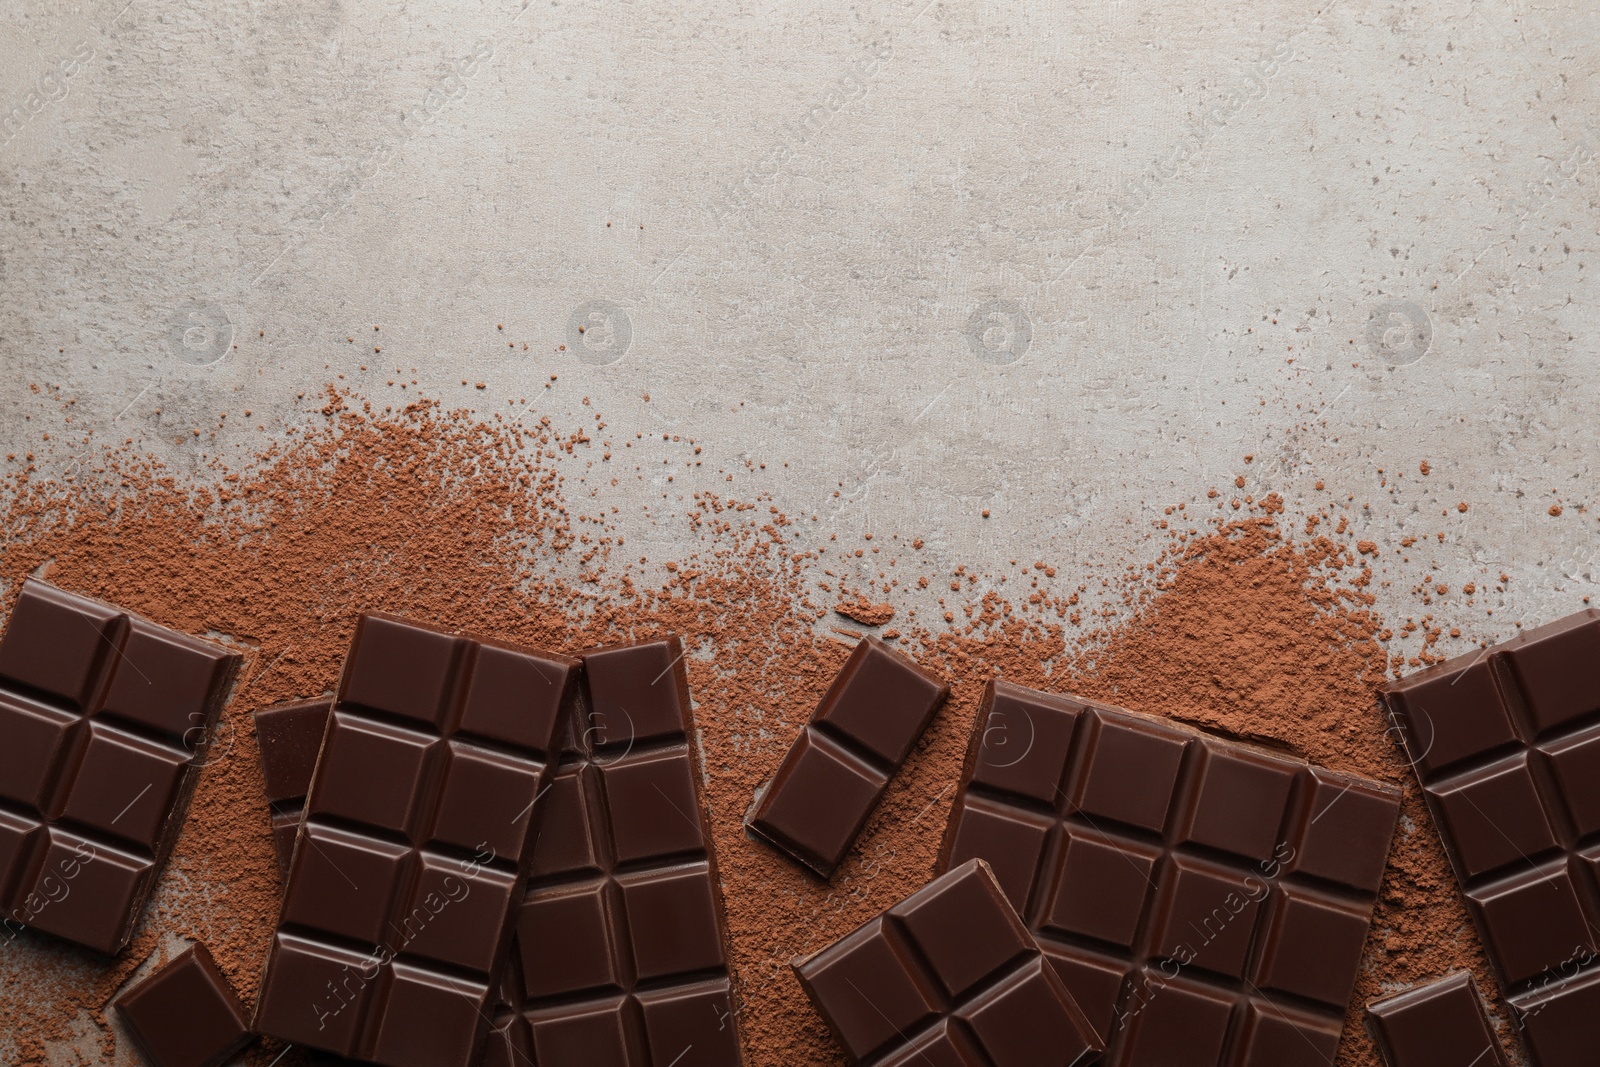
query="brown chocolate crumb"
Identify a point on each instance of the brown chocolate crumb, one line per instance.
(865, 611)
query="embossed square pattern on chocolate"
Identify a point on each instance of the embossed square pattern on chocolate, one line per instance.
(1205, 901)
(1441, 1024)
(621, 957)
(1506, 743)
(836, 771)
(288, 737)
(103, 717)
(949, 977)
(186, 1014)
(414, 846)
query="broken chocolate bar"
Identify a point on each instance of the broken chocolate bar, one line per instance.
(949, 977)
(622, 953)
(414, 846)
(289, 737)
(1204, 900)
(186, 1014)
(104, 718)
(1506, 743)
(837, 770)
(1441, 1024)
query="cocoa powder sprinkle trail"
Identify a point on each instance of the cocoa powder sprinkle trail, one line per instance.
(1235, 626)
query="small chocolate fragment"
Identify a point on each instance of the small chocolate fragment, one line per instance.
(1205, 901)
(416, 841)
(838, 768)
(1506, 744)
(621, 946)
(103, 719)
(186, 1014)
(947, 976)
(289, 737)
(1441, 1024)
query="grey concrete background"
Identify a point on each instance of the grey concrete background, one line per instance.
(1066, 262)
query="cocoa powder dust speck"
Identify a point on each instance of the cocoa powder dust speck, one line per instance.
(466, 521)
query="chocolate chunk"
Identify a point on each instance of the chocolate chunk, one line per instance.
(289, 736)
(1441, 1024)
(621, 946)
(947, 976)
(103, 720)
(186, 1014)
(415, 845)
(1205, 901)
(839, 767)
(1506, 744)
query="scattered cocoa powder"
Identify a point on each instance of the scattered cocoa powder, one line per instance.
(864, 611)
(1235, 626)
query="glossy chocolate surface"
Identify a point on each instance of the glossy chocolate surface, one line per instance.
(837, 770)
(947, 976)
(415, 845)
(186, 1014)
(1205, 901)
(621, 957)
(1441, 1024)
(289, 737)
(104, 717)
(1506, 743)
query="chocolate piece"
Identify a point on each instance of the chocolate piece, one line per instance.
(186, 1014)
(947, 976)
(1506, 744)
(837, 770)
(415, 844)
(289, 736)
(622, 951)
(1441, 1024)
(103, 717)
(1205, 901)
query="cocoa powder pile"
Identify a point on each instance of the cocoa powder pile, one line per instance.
(1234, 625)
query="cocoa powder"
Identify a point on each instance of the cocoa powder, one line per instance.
(1235, 625)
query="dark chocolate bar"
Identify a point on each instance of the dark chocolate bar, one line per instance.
(837, 770)
(949, 977)
(1506, 743)
(103, 720)
(186, 1014)
(622, 954)
(1205, 901)
(289, 737)
(1441, 1024)
(415, 845)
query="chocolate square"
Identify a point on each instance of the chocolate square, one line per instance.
(1442, 1022)
(672, 922)
(346, 884)
(564, 838)
(371, 773)
(1131, 770)
(487, 800)
(650, 797)
(568, 942)
(185, 1014)
(1014, 837)
(1024, 742)
(1100, 888)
